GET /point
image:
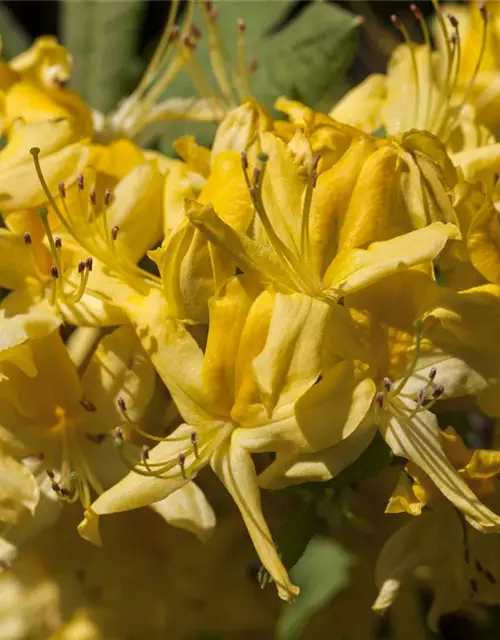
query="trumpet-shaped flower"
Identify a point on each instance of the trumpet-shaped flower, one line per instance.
(245, 384)
(330, 234)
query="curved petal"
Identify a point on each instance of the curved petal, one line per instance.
(188, 508)
(119, 368)
(236, 470)
(18, 490)
(416, 438)
(361, 106)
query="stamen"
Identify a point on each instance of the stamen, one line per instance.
(438, 391)
(107, 197)
(242, 68)
(80, 181)
(145, 453)
(379, 398)
(62, 189)
(182, 465)
(89, 263)
(306, 210)
(422, 396)
(58, 242)
(114, 232)
(27, 238)
(194, 442)
(387, 384)
(57, 267)
(121, 404)
(54, 272)
(427, 40)
(50, 473)
(432, 373)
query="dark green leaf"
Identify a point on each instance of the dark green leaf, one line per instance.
(102, 36)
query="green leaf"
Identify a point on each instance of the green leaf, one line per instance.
(228, 13)
(102, 36)
(305, 60)
(321, 573)
(15, 39)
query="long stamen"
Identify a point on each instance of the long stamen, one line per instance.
(242, 68)
(416, 355)
(484, 39)
(427, 39)
(304, 232)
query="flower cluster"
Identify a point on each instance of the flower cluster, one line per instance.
(266, 307)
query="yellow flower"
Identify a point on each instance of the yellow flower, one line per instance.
(459, 563)
(386, 374)
(244, 386)
(317, 234)
(57, 424)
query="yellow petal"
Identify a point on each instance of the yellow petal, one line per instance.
(418, 440)
(247, 253)
(235, 468)
(136, 211)
(330, 201)
(118, 158)
(483, 242)
(361, 106)
(355, 269)
(227, 191)
(189, 509)
(291, 360)
(368, 218)
(228, 313)
(46, 62)
(175, 355)
(19, 187)
(17, 262)
(18, 490)
(291, 469)
(334, 407)
(119, 368)
(194, 155)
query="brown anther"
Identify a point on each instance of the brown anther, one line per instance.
(253, 66)
(453, 20)
(79, 181)
(89, 263)
(432, 373)
(173, 36)
(56, 487)
(422, 397)
(114, 232)
(438, 391)
(244, 160)
(54, 272)
(395, 21)
(58, 242)
(379, 399)
(256, 176)
(314, 180)
(81, 266)
(64, 492)
(51, 474)
(119, 434)
(107, 197)
(92, 196)
(315, 161)
(416, 12)
(195, 32)
(212, 13)
(87, 405)
(188, 43)
(387, 384)
(144, 452)
(62, 189)
(241, 25)
(182, 464)
(484, 11)
(27, 238)
(121, 404)
(194, 442)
